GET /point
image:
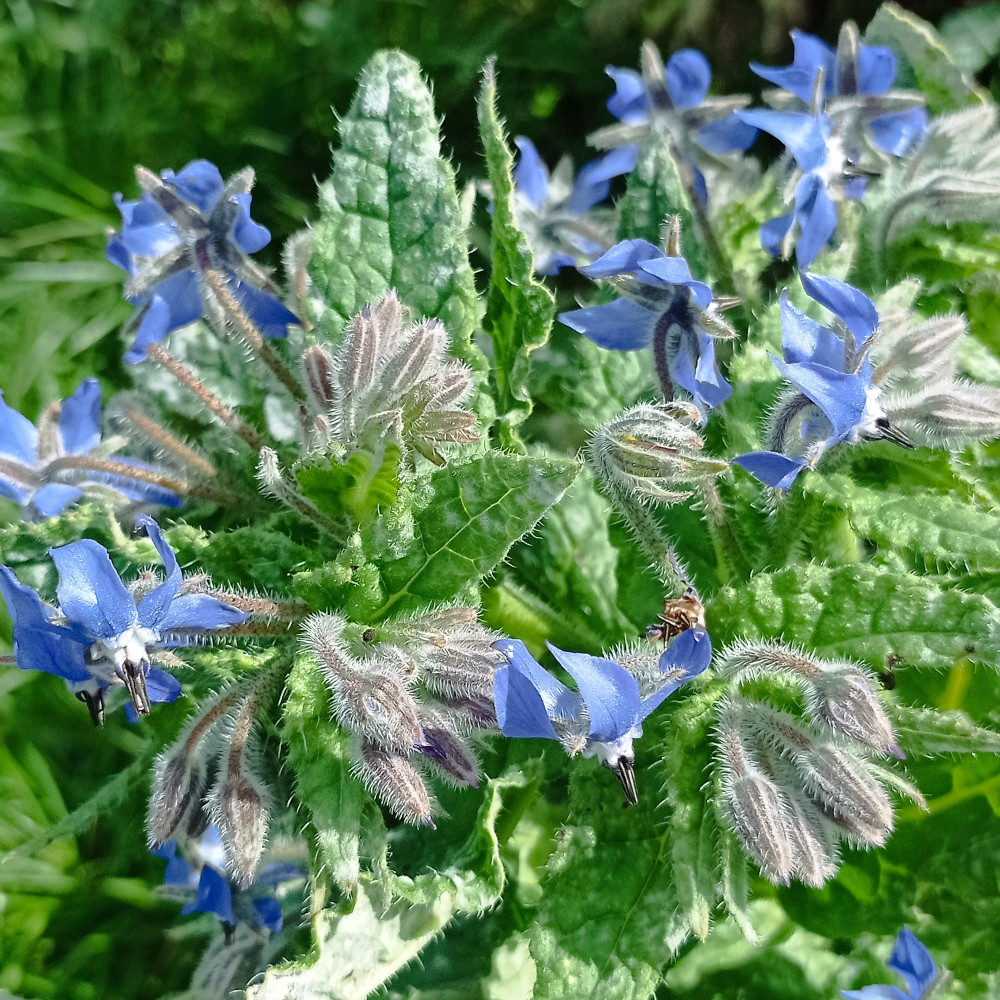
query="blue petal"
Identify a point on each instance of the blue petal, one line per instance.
(267, 311)
(215, 895)
(18, 435)
(531, 175)
(670, 270)
(154, 606)
(520, 709)
(810, 55)
(39, 645)
(817, 215)
(149, 232)
(198, 611)
(199, 183)
(898, 133)
(609, 691)
(689, 74)
(841, 396)
(727, 135)
(805, 340)
(90, 592)
(268, 914)
(80, 418)
(804, 135)
(175, 302)
(691, 652)
(162, 687)
(876, 69)
(628, 103)
(854, 307)
(553, 263)
(913, 962)
(560, 702)
(771, 467)
(621, 325)
(592, 182)
(622, 258)
(880, 992)
(179, 871)
(773, 233)
(53, 498)
(248, 235)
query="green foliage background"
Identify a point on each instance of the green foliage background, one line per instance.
(91, 88)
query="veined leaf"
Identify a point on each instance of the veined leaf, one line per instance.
(519, 309)
(473, 514)
(367, 482)
(859, 611)
(929, 731)
(940, 526)
(357, 952)
(389, 214)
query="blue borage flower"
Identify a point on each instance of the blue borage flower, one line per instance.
(198, 870)
(663, 307)
(606, 716)
(835, 400)
(911, 960)
(28, 475)
(552, 209)
(851, 114)
(185, 225)
(100, 635)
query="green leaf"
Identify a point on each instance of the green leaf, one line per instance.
(936, 525)
(973, 36)
(924, 61)
(393, 919)
(519, 309)
(473, 514)
(929, 731)
(366, 483)
(861, 612)
(319, 758)
(389, 214)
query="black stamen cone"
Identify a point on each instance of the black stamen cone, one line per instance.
(626, 778)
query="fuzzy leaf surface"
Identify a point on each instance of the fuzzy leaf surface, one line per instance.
(519, 309)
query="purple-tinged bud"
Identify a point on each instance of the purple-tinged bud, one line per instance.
(479, 710)
(318, 365)
(179, 785)
(238, 809)
(450, 754)
(395, 783)
(846, 699)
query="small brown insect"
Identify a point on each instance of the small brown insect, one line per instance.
(679, 614)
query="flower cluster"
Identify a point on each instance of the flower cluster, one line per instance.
(105, 635)
(791, 787)
(605, 718)
(416, 702)
(185, 245)
(48, 467)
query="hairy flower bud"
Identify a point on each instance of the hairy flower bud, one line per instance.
(179, 784)
(448, 752)
(650, 450)
(846, 699)
(238, 808)
(395, 783)
(318, 364)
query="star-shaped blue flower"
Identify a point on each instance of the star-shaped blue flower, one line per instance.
(100, 635)
(200, 872)
(552, 211)
(606, 716)
(663, 307)
(913, 962)
(27, 453)
(835, 400)
(184, 225)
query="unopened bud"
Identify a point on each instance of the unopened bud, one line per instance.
(815, 840)
(846, 700)
(318, 365)
(395, 783)
(179, 784)
(650, 450)
(947, 415)
(238, 809)
(450, 754)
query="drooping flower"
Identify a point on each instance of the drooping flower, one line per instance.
(911, 960)
(187, 226)
(101, 635)
(605, 717)
(833, 399)
(36, 467)
(852, 119)
(554, 210)
(662, 306)
(196, 870)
